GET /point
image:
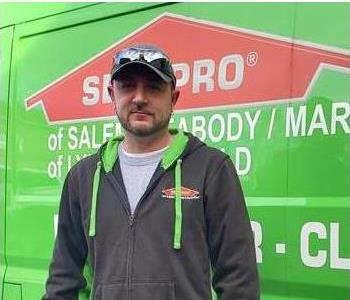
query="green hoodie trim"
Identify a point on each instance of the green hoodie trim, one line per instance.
(95, 185)
(214, 295)
(176, 148)
(178, 206)
(109, 153)
(86, 292)
(171, 155)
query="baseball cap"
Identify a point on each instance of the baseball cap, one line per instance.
(150, 56)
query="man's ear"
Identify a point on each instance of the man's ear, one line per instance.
(175, 97)
(111, 91)
(112, 95)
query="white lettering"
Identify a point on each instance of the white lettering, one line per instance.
(309, 260)
(252, 122)
(297, 126)
(89, 88)
(238, 63)
(243, 160)
(84, 138)
(257, 230)
(203, 71)
(107, 134)
(219, 126)
(336, 261)
(182, 124)
(230, 128)
(318, 121)
(73, 140)
(342, 119)
(184, 70)
(106, 81)
(198, 127)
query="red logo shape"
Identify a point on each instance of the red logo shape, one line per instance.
(186, 193)
(216, 65)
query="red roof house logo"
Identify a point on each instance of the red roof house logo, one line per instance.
(216, 65)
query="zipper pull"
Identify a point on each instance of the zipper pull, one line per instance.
(131, 220)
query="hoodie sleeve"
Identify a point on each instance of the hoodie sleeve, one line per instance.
(65, 273)
(230, 237)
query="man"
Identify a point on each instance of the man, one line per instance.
(156, 214)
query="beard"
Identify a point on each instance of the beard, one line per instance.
(158, 125)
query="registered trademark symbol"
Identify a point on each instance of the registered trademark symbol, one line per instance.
(252, 59)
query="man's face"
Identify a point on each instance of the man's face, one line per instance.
(143, 101)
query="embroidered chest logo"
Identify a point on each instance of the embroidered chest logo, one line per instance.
(186, 193)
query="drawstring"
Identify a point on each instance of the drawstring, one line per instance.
(178, 206)
(92, 229)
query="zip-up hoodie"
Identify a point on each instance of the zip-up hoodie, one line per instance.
(190, 231)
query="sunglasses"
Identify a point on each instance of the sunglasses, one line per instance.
(132, 54)
(150, 56)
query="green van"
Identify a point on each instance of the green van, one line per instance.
(267, 83)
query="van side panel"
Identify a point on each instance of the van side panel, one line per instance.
(292, 153)
(318, 203)
(6, 36)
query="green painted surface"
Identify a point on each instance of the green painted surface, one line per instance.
(14, 13)
(5, 59)
(295, 183)
(12, 291)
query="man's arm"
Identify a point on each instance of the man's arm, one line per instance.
(230, 237)
(65, 274)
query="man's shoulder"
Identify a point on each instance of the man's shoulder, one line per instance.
(215, 153)
(86, 165)
(206, 153)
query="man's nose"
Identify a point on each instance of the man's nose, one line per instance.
(140, 96)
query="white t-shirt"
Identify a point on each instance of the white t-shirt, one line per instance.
(137, 170)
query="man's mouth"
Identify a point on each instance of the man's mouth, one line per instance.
(140, 112)
(140, 115)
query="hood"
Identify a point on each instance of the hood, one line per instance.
(182, 145)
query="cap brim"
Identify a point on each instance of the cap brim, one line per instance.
(163, 76)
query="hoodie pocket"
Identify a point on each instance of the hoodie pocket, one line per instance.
(113, 291)
(160, 290)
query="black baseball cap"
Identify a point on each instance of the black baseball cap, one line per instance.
(147, 55)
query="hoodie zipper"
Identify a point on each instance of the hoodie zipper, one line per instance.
(132, 216)
(132, 219)
(129, 258)
(126, 205)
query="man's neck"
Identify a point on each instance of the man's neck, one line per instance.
(136, 144)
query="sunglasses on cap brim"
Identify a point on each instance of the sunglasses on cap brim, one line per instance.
(151, 57)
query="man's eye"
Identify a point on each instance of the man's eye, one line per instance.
(126, 85)
(155, 87)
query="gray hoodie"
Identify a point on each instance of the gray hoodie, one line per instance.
(190, 231)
